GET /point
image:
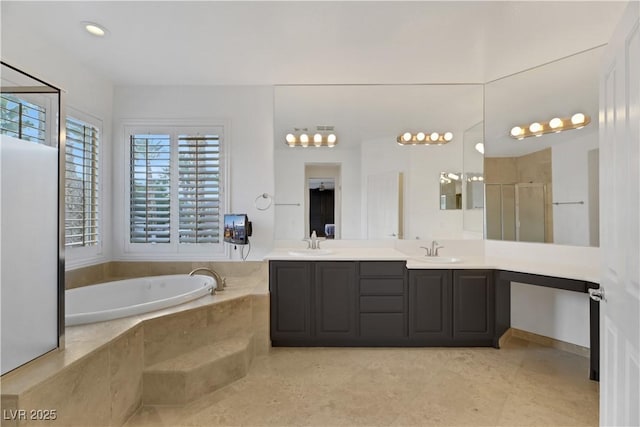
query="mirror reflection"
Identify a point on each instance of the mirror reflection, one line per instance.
(387, 190)
(450, 190)
(541, 182)
(473, 184)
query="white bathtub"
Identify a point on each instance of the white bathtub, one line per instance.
(123, 298)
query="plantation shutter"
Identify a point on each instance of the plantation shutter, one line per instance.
(199, 188)
(81, 184)
(150, 188)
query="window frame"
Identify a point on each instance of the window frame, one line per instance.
(174, 250)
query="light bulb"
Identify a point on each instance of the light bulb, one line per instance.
(304, 140)
(516, 131)
(94, 29)
(480, 178)
(406, 136)
(420, 136)
(291, 139)
(453, 176)
(331, 140)
(578, 119)
(480, 147)
(448, 136)
(317, 140)
(434, 136)
(555, 123)
(535, 127)
(474, 178)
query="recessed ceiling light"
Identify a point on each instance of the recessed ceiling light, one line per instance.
(94, 29)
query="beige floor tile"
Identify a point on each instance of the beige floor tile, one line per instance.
(520, 384)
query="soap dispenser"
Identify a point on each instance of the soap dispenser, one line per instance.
(314, 240)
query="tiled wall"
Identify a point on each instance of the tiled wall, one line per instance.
(106, 387)
(117, 270)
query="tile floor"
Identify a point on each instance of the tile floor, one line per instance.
(521, 384)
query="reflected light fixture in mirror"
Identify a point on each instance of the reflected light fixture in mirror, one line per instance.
(324, 136)
(555, 125)
(94, 29)
(424, 138)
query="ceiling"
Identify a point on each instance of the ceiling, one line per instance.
(257, 43)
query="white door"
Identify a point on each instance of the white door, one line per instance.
(384, 206)
(620, 225)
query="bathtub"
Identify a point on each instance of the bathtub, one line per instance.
(123, 298)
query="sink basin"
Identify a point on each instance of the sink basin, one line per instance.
(439, 259)
(310, 252)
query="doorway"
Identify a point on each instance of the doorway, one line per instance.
(322, 200)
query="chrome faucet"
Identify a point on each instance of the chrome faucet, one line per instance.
(433, 251)
(221, 282)
(313, 242)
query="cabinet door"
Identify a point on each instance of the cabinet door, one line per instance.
(473, 306)
(335, 300)
(290, 294)
(430, 306)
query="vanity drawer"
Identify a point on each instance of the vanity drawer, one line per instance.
(381, 286)
(382, 325)
(382, 304)
(382, 268)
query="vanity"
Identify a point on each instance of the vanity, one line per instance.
(485, 183)
(367, 297)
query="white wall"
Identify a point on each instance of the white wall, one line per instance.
(570, 170)
(83, 91)
(248, 111)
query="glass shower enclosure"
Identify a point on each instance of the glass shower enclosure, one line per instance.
(31, 218)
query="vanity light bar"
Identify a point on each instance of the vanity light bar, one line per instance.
(310, 139)
(424, 138)
(555, 125)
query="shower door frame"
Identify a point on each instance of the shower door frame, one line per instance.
(48, 88)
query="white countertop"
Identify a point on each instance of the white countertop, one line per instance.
(546, 268)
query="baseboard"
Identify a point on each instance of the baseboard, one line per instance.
(547, 342)
(507, 334)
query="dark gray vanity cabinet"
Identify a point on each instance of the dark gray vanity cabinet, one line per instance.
(290, 300)
(430, 297)
(335, 305)
(451, 307)
(379, 303)
(473, 307)
(382, 302)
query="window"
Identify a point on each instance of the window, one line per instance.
(81, 184)
(150, 189)
(22, 119)
(175, 186)
(199, 188)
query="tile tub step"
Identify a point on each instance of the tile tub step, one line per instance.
(190, 375)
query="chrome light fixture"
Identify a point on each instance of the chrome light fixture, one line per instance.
(424, 138)
(555, 125)
(323, 136)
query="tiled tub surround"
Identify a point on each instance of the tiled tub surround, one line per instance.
(108, 369)
(117, 270)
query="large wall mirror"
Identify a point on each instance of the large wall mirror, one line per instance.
(384, 190)
(544, 187)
